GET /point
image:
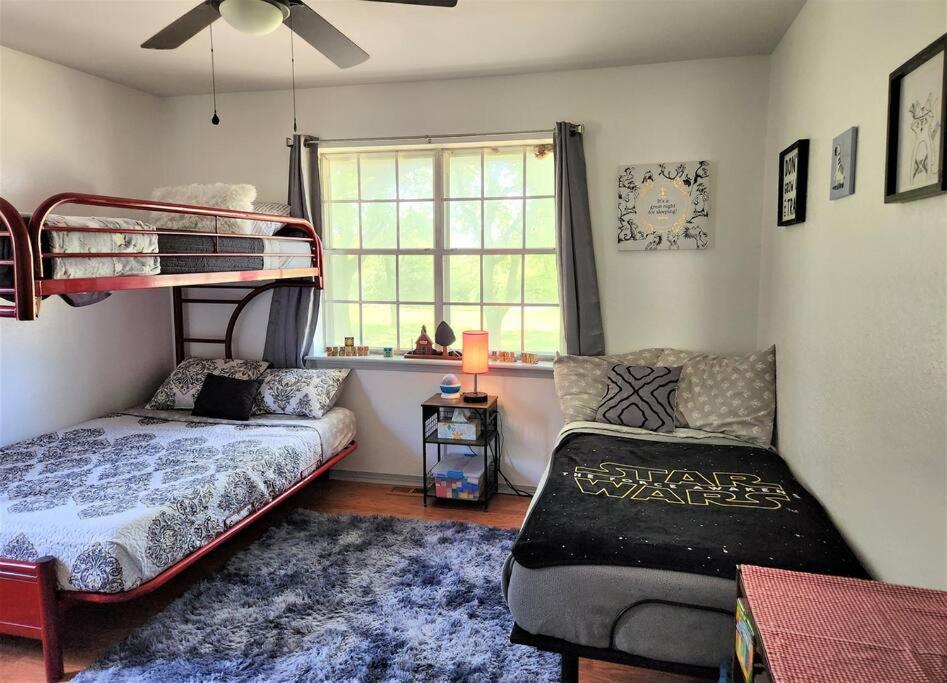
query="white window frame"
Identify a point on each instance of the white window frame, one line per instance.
(440, 250)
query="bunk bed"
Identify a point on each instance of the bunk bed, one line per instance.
(33, 592)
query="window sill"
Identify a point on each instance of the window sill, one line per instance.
(402, 364)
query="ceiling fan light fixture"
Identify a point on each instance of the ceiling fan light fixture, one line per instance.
(256, 17)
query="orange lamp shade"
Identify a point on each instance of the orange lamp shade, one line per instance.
(476, 353)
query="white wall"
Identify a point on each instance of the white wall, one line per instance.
(855, 298)
(708, 109)
(64, 130)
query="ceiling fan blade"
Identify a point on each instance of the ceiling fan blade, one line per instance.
(428, 3)
(184, 27)
(330, 41)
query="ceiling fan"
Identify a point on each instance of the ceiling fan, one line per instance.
(258, 17)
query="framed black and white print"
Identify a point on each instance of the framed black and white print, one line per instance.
(842, 173)
(793, 177)
(914, 164)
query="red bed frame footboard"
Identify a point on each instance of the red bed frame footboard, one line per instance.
(32, 607)
(29, 260)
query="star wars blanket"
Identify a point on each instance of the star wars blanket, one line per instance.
(679, 505)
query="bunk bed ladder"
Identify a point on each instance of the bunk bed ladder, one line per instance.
(181, 299)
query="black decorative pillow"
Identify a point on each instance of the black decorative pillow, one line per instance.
(640, 396)
(226, 398)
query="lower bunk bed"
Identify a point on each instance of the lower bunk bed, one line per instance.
(630, 547)
(113, 508)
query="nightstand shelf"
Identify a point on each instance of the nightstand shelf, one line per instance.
(488, 442)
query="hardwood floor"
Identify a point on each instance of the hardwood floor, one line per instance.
(90, 630)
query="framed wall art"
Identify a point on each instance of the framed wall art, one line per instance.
(914, 163)
(793, 179)
(842, 174)
(664, 206)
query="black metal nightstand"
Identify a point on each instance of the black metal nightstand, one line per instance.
(489, 440)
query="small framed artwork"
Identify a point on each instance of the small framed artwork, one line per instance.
(793, 176)
(914, 164)
(842, 175)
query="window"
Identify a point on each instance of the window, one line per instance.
(462, 234)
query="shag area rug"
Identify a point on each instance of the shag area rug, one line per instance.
(340, 598)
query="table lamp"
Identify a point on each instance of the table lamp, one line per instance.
(475, 360)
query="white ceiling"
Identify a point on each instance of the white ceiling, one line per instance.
(476, 38)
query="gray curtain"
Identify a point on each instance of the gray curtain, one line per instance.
(578, 283)
(294, 311)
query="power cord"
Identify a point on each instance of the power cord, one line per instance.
(518, 492)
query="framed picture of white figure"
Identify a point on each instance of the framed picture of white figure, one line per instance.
(664, 206)
(842, 173)
(914, 165)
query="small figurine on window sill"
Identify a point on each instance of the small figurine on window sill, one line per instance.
(426, 349)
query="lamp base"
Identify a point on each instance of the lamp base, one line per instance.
(475, 397)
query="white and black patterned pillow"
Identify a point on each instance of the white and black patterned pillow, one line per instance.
(307, 393)
(640, 396)
(182, 386)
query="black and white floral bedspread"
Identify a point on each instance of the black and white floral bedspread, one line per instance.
(118, 499)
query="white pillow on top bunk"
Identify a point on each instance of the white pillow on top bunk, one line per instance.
(217, 195)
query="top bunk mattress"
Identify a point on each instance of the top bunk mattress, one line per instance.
(273, 254)
(119, 499)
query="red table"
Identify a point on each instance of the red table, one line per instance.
(809, 627)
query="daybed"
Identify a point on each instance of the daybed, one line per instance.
(630, 547)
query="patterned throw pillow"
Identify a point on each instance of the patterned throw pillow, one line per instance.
(307, 393)
(181, 388)
(274, 208)
(580, 380)
(733, 395)
(639, 396)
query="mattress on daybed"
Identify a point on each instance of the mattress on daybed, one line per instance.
(631, 569)
(273, 254)
(119, 499)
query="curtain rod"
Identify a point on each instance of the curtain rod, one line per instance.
(427, 138)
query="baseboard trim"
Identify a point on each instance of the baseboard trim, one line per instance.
(404, 480)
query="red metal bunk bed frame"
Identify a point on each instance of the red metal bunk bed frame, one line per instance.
(31, 604)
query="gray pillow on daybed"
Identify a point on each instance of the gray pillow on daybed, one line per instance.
(580, 380)
(639, 396)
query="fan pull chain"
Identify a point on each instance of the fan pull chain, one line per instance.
(213, 77)
(292, 63)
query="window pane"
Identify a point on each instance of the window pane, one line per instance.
(412, 318)
(417, 225)
(503, 172)
(378, 176)
(540, 172)
(463, 219)
(462, 318)
(379, 230)
(343, 226)
(341, 322)
(342, 177)
(540, 223)
(503, 224)
(463, 172)
(343, 276)
(501, 278)
(539, 280)
(378, 326)
(416, 176)
(541, 329)
(462, 278)
(416, 278)
(378, 278)
(503, 323)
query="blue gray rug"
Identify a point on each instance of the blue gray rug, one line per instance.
(340, 598)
